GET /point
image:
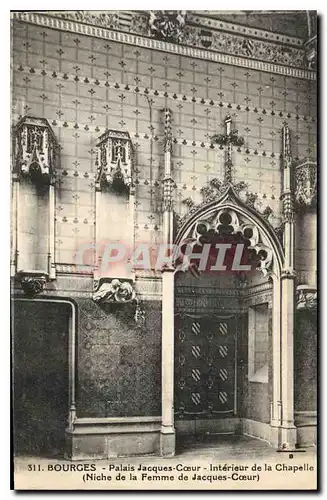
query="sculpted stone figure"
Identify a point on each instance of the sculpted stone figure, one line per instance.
(115, 292)
(167, 25)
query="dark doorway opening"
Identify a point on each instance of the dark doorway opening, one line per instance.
(40, 332)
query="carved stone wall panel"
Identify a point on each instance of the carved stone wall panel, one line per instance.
(119, 371)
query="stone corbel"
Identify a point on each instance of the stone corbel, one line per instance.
(114, 291)
(306, 183)
(306, 298)
(32, 282)
(113, 294)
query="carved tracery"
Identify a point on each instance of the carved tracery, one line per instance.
(114, 161)
(35, 150)
(35, 155)
(225, 225)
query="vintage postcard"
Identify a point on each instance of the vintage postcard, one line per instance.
(164, 250)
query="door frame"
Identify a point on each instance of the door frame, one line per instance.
(72, 329)
(282, 429)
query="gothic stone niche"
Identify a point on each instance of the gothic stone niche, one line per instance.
(34, 150)
(33, 199)
(114, 161)
(226, 226)
(306, 183)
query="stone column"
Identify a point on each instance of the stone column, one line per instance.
(167, 441)
(288, 429)
(72, 370)
(98, 249)
(51, 252)
(167, 437)
(275, 415)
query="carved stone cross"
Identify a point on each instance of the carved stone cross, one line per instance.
(229, 139)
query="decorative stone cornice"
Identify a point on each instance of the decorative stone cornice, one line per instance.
(32, 282)
(202, 18)
(166, 24)
(114, 161)
(306, 298)
(306, 182)
(227, 48)
(34, 150)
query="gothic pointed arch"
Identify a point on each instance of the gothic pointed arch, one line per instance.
(228, 209)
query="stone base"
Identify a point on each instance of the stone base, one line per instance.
(306, 424)
(259, 430)
(288, 438)
(307, 436)
(103, 438)
(208, 426)
(167, 443)
(278, 437)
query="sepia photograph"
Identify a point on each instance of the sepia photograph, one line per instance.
(164, 325)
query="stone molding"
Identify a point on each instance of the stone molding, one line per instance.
(266, 49)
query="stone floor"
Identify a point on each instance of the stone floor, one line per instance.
(210, 462)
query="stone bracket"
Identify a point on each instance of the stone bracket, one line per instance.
(114, 295)
(33, 282)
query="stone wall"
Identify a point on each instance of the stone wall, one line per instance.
(118, 363)
(84, 85)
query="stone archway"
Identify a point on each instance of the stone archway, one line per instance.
(264, 244)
